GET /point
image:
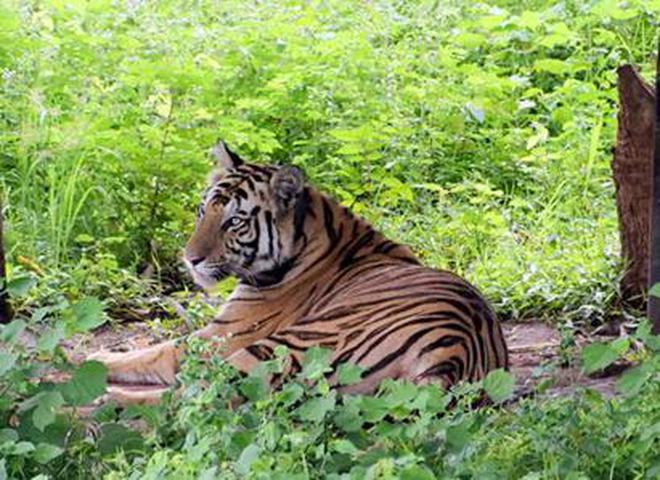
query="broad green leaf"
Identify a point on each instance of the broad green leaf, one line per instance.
(315, 409)
(210, 473)
(650, 432)
(45, 452)
(344, 446)
(290, 393)
(632, 380)
(50, 338)
(348, 418)
(374, 409)
(551, 65)
(253, 388)
(645, 335)
(499, 385)
(88, 383)
(8, 435)
(598, 356)
(19, 286)
(88, 314)
(7, 361)
(116, 437)
(620, 345)
(47, 405)
(247, 458)
(84, 238)
(349, 374)
(655, 290)
(458, 435)
(316, 363)
(21, 448)
(12, 330)
(400, 393)
(416, 472)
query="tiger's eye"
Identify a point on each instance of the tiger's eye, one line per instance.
(235, 221)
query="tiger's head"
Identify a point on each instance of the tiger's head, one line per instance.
(249, 222)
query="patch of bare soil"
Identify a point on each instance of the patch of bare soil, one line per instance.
(534, 354)
(535, 357)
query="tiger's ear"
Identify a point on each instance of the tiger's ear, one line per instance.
(225, 158)
(286, 184)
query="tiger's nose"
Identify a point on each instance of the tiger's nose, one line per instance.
(194, 261)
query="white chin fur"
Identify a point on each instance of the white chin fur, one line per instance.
(202, 280)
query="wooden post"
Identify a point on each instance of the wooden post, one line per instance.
(5, 307)
(654, 264)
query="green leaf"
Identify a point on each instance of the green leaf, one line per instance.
(116, 437)
(416, 472)
(19, 286)
(621, 345)
(45, 452)
(47, 405)
(374, 409)
(499, 385)
(84, 238)
(598, 356)
(50, 338)
(290, 393)
(88, 314)
(21, 448)
(7, 361)
(634, 379)
(655, 290)
(247, 458)
(347, 417)
(8, 435)
(316, 363)
(400, 393)
(349, 374)
(89, 381)
(344, 446)
(551, 65)
(315, 409)
(12, 330)
(253, 388)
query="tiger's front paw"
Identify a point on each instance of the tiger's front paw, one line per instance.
(155, 365)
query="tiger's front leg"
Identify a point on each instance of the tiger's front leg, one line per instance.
(155, 365)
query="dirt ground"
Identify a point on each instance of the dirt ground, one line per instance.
(534, 349)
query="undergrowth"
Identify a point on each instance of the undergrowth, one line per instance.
(480, 133)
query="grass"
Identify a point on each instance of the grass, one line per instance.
(480, 134)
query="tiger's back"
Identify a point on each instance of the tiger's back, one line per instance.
(380, 309)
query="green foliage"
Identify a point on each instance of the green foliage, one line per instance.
(304, 430)
(35, 428)
(480, 133)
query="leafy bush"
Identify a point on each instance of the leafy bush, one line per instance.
(480, 131)
(220, 424)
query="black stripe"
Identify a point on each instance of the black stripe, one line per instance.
(445, 341)
(269, 229)
(392, 356)
(349, 256)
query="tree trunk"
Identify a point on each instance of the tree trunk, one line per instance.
(5, 307)
(633, 174)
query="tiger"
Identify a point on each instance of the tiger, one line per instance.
(312, 273)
